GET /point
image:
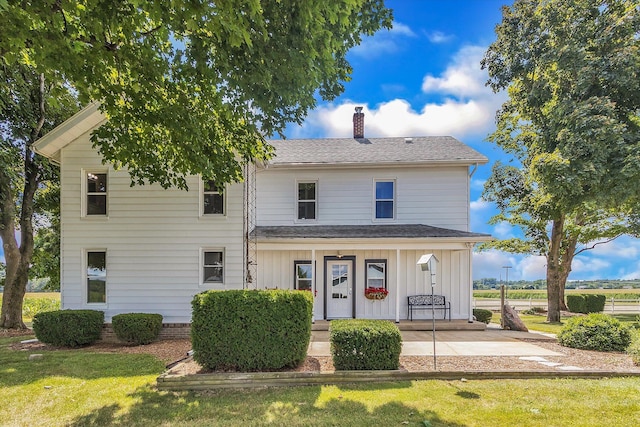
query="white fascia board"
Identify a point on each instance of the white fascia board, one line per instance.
(432, 163)
(366, 244)
(80, 123)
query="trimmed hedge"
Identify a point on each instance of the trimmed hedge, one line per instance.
(68, 328)
(598, 332)
(251, 330)
(137, 328)
(482, 315)
(358, 344)
(586, 303)
(634, 348)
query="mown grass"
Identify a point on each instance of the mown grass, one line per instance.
(80, 388)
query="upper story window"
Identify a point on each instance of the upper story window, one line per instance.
(212, 266)
(212, 199)
(307, 200)
(385, 199)
(303, 275)
(96, 187)
(96, 277)
(376, 273)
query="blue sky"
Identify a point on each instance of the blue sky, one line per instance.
(423, 77)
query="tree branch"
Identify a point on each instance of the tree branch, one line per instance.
(587, 248)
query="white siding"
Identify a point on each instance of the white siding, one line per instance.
(153, 239)
(275, 269)
(436, 196)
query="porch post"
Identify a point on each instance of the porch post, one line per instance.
(470, 246)
(397, 285)
(313, 284)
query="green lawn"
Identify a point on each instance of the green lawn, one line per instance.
(79, 388)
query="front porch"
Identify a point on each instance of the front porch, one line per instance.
(419, 325)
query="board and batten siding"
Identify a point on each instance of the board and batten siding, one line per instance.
(276, 270)
(437, 196)
(153, 239)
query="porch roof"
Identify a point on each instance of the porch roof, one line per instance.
(378, 231)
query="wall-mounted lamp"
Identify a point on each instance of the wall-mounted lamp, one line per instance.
(339, 254)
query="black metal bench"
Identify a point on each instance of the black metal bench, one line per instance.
(428, 302)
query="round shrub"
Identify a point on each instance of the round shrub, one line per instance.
(137, 328)
(598, 332)
(68, 328)
(360, 344)
(251, 330)
(482, 315)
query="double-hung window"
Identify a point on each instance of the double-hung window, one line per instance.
(96, 188)
(376, 273)
(303, 275)
(385, 192)
(307, 200)
(96, 277)
(212, 199)
(212, 266)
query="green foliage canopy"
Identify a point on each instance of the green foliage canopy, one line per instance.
(192, 87)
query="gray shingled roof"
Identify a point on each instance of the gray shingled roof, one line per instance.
(380, 231)
(424, 149)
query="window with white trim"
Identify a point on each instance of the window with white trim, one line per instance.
(96, 193)
(307, 200)
(385, 193)
(303, 275)
(96, 277)
(212, 266)
(212, 199)
(375, 273)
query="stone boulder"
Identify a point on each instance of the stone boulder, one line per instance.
(511, 320)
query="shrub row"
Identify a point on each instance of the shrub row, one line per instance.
(598, 332)
(482, 315)
(586, 303)
(73, 328)
(358, 344)
(251, 330)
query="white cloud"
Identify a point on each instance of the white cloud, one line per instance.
(466, 107)
(463, 77)
(478, 184)
(438, 37)
(383, 42)
(503, 230)
(492, 263)
(478, 205)
(533, 268)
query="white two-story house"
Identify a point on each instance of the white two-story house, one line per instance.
(332, 216)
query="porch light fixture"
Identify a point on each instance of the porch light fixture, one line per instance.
(428, 263)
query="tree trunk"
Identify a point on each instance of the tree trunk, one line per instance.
(566, 260)
(554, 270)
(18, 258)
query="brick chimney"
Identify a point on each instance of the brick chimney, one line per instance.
(358, 123)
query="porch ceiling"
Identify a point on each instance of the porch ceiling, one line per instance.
(379, 231)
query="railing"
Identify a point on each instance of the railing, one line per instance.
(612, 305)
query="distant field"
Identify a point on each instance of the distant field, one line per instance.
(36, 302)
(542, 294)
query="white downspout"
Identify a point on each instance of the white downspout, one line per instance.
(397, 285)
(470, 246)
(313, 283)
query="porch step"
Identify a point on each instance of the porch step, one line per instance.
(419, 325)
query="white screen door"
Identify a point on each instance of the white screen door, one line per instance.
(339, 289)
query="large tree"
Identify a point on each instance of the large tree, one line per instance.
(192, 87)
(188, 87)
(30, 106)
(572, 72)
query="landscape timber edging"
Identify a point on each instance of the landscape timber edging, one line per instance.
(212, 381)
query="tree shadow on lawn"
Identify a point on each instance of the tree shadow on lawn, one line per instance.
(16, 369)
(298, 406)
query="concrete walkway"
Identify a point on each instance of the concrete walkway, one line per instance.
(491, 342)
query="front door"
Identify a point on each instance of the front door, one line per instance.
(339, 274)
